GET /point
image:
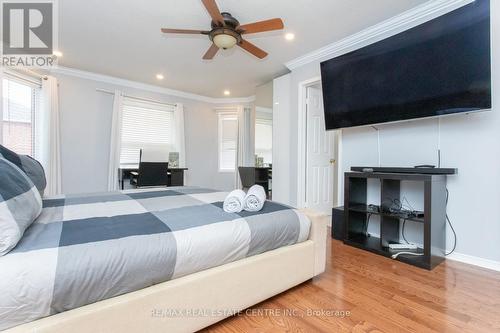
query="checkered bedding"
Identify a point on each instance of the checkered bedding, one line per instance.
(83, 249)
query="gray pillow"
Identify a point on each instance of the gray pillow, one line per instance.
(31, 167)
(20, 204)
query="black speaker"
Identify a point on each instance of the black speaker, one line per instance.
(338, 223)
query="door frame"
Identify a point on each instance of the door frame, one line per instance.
(302, 147)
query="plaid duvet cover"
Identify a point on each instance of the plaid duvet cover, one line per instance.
(83, 249)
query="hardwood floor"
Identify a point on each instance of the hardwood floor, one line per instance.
(379, 295)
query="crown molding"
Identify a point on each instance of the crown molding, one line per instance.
(147, 87)
(390, 27)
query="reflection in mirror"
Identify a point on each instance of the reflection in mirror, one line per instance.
(263, 137)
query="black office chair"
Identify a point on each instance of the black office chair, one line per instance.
(150, 173)
(251, 176)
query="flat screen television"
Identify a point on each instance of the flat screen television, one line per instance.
(437, 68)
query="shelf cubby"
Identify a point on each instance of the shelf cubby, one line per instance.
(357, 213)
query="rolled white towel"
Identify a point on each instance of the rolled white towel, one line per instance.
(234, 201)
(255, 199)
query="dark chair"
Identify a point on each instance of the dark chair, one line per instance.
(151, 173)
(251, 176)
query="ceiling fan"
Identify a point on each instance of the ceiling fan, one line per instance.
(227, 32)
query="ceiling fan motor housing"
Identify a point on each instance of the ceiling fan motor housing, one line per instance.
(229, 21)
(229, 28)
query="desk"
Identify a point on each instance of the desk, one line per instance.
(176, 177)
(256, 176)
(264, 177)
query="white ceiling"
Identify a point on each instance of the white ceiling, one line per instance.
(122, 38)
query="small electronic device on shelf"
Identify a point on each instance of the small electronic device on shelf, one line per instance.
(420, 169)
(403, 247)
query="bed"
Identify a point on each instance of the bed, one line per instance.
(153, 260)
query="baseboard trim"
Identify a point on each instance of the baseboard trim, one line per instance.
(466, 259)
(476, 261)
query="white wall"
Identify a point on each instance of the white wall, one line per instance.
(85, 135)
(282, 136)
(264, 95)
(470, 143)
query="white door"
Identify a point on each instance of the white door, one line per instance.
(320, 156)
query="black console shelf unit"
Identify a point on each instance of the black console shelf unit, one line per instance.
(357, 212)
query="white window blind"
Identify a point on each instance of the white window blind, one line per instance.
(145, 125)
(18, 115)
(228, 141)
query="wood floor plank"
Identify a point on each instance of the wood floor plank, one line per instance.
(380, 295)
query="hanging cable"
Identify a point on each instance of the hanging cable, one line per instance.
(451, 226)
(378, 144)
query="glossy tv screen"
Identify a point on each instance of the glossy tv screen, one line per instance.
(437, 68)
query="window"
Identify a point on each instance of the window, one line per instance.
(264, 139)
(228, 141)
(18, 115)
(145, 125)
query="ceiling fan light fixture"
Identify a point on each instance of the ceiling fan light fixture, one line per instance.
(224, 41)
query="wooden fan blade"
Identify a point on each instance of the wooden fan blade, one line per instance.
(267, 25)
(184, 31)
(253, 49)
(210, 54)
(214, 11)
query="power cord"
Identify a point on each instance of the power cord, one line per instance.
(447, 220)
(403, 232)
(451, 226)
(366, 223)
(398, 207)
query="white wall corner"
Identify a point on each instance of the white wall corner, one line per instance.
(390, 27)
(147, 87)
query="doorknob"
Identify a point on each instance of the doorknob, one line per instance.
(332, 161)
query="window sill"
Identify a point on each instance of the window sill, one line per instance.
(226, 171)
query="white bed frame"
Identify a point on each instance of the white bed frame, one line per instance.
(193, 302)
